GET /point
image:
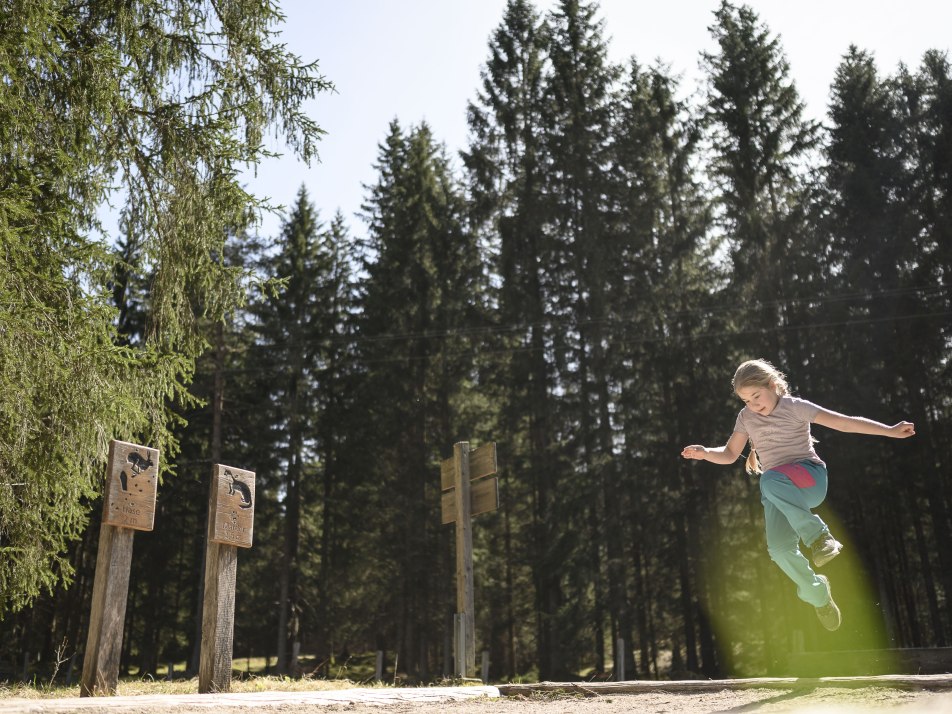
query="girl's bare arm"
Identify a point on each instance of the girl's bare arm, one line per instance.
(862, 425)
(726, 454)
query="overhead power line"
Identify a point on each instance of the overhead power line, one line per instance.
(642, 338)
(815, 301)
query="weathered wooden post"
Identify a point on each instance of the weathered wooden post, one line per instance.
(128, 506)
(448, 646)
(230, 526)
(460, 502)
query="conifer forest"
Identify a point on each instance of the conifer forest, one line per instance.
(577, 285)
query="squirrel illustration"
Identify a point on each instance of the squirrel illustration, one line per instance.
(139, 464)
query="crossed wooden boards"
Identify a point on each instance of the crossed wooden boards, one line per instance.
(484, 494)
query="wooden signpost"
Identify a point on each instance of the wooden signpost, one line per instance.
(462, 500)
(230, 526)
(128, 506)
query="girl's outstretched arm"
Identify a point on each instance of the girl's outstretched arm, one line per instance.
(726, 454)
(862, 425)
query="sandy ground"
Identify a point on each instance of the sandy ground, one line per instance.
(817, 701)
(825, 700)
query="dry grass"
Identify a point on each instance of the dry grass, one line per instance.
(249, 674)
(133, 687)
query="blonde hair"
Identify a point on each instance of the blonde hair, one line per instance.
(759, 373)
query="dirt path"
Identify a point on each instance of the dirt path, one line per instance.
(819, 698)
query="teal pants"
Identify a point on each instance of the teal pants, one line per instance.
(788, 493)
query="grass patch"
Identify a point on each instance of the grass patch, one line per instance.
(131, 687)
(249, 674)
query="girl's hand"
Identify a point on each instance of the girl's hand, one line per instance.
(694, 452)
(902, 430)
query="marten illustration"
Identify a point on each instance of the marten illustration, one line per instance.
(240, 488)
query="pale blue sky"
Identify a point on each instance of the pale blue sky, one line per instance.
(420, 60)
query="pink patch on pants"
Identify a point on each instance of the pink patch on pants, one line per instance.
(798, 474)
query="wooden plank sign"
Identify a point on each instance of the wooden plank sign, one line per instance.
(482, 463)
(483, 498)
(233, 513)
(131, 483)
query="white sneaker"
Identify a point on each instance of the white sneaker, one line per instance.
(825, 548)
(829, 614)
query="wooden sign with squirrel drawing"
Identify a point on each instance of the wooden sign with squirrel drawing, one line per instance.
(131, 483)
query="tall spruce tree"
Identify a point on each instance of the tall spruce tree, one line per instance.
(291, 324)
(337, 454)
(578, 134)
(506, 163)
(663, 273)
(760, 147)
(877, 176)
(931, 333)
(421, 291)
(169, 101)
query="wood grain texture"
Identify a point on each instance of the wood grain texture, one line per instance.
(484, 497)
(218, 618)
(107, 612)
(482, 463)
(465, 601)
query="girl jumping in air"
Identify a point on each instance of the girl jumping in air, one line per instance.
(793, 478)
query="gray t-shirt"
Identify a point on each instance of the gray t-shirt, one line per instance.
(783, 436)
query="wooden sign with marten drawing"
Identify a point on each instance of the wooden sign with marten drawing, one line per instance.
(131, 485)
(233, 514)
(231, 519)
